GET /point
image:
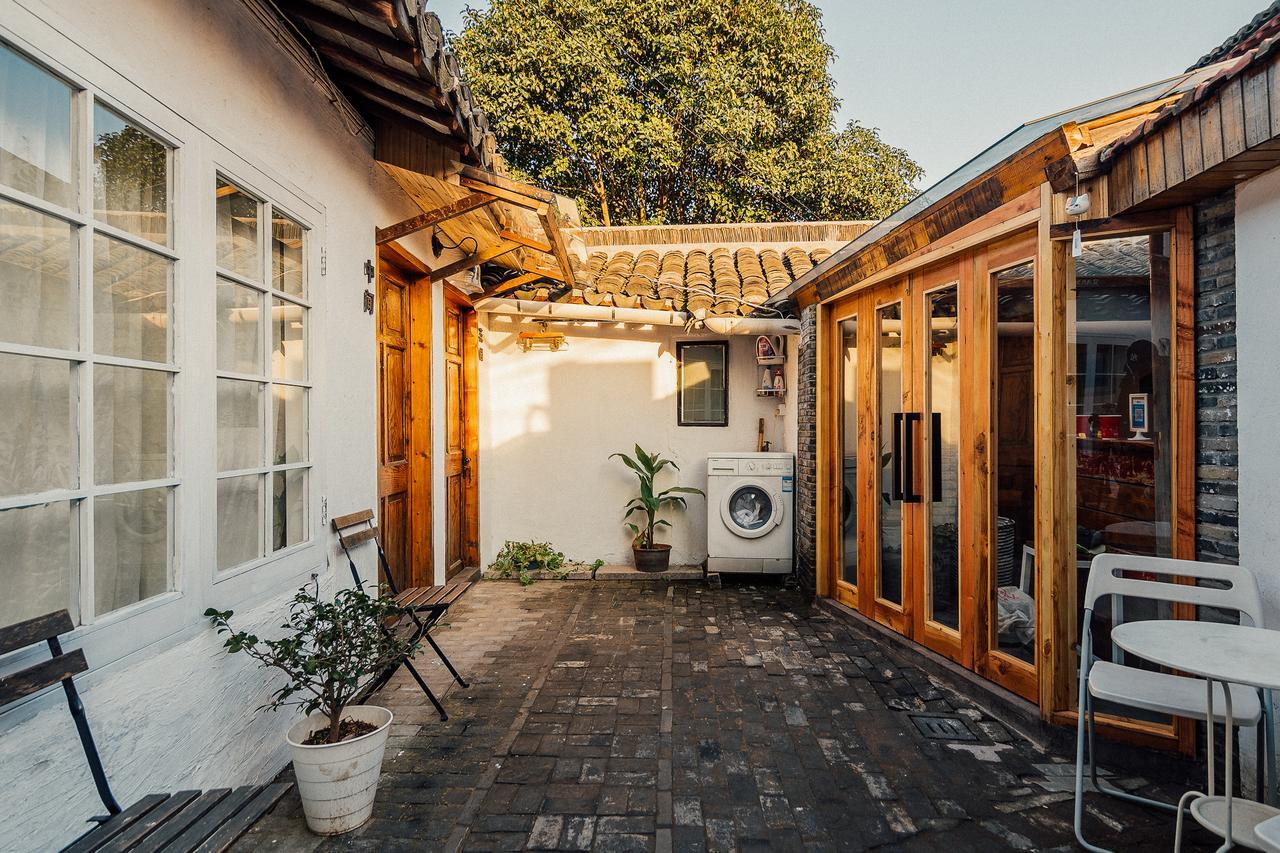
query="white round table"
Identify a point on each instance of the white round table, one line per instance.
(1230, 654)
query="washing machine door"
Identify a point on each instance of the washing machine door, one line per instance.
(751, 509)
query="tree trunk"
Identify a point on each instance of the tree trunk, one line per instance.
(335, 724)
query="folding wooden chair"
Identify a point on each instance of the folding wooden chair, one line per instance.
(184, 821)
(426, 605)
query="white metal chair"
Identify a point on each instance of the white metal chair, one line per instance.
(1159, 692)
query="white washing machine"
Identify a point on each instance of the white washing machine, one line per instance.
(750, 507)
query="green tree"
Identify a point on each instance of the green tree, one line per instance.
(652, 111)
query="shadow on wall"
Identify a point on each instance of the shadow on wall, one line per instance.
(551, 478)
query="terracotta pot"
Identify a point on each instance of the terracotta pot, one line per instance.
(655, 559)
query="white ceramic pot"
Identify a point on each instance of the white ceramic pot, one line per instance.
(337, 781)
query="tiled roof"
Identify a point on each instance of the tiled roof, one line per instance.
(1263, 25)
(718, 270)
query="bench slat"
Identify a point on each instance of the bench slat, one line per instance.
(351, 540)
(226, 835)
(36, 678)
(175, 826)
(115, 825)
(149, 821)
(341, 521)
(214, 818)
(37, 630)
(414, 596)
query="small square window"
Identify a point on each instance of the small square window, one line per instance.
(703, 383)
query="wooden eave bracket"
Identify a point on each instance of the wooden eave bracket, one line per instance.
(474, 260)
(433, 217)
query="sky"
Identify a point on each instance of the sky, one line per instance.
(944, 79)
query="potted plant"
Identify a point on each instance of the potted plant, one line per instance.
(651, 556)
(330, 648)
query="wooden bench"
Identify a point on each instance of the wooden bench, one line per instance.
(186, 821)
(425, 605)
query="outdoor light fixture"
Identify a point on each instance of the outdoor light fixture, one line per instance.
(541, 340)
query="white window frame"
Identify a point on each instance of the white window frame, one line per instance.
(83, 359)
(269, 295)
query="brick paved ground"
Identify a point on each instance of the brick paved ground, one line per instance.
(614, 717)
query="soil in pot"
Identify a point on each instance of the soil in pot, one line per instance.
(347, 729)
(655, 559)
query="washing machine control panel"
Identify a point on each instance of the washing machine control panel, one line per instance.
(764, 466)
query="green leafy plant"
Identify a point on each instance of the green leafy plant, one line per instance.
(648, 503)
(330, 647)
(521, 559)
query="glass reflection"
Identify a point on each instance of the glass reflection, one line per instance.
(890, 368)
(943, 489)
(130, 177)
(849, 453)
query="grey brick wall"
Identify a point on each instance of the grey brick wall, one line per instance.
(807, 451)
(1217, 451)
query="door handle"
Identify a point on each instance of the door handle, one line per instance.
(909, 494)
(895, 493)
(935, 448)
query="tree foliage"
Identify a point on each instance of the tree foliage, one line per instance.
(678, 110)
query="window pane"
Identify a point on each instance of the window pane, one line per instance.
(239, 335)
(1014, 626)
(703, 387)
(890, 376)
(130, 424)
(237, 223)
(239, 424)
(131, 535)
(130, 177)
(41, 550)
(288, 340)
(289, 508)
(849, 450)
(35, 130)
(943, 430)
(239, 520)
(37, 279)
(290, 424)
(37, 430)
(286, 255)
(130, 301)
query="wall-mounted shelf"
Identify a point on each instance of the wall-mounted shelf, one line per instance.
(771, 392)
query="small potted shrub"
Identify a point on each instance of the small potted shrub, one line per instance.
(330, 648)
(651, 556)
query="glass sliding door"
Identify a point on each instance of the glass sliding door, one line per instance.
(847, 517)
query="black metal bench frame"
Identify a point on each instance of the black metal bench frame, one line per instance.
(424, 606)
(185, 821)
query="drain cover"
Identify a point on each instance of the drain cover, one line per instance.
(942, 728)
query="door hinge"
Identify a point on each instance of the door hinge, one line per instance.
(324, 261)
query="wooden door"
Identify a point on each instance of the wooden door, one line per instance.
(394, 407)
(460, 354)
(404, 451)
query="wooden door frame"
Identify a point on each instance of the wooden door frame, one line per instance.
(418, 276)
(471, 421)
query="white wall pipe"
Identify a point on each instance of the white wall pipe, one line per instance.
(752, 326)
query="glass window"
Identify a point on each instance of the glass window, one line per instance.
(703, 389)
(263, 458)
(890, 370)
(86, 388)
(237, 223)
(35, 131)
(1015, 448)
(130, 301)
(130, 177)
(849, 444)
(943, 430)
(132, 538)
(37, 279)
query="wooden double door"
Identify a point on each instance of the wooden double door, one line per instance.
(925, 401)
(405, 500)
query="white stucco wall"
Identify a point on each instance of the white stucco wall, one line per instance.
(549, 420)
(169, 709)
(1258, 384)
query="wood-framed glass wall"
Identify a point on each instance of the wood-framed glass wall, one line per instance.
(951, 472)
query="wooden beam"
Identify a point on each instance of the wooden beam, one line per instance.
(1133, 224)
(514, 283)
(405, 84)
(509, 196)
(498, 182)
(349, 28)
(432, 217)
(527, 242)
(551, 225)
(474, 260)
(407, 107)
